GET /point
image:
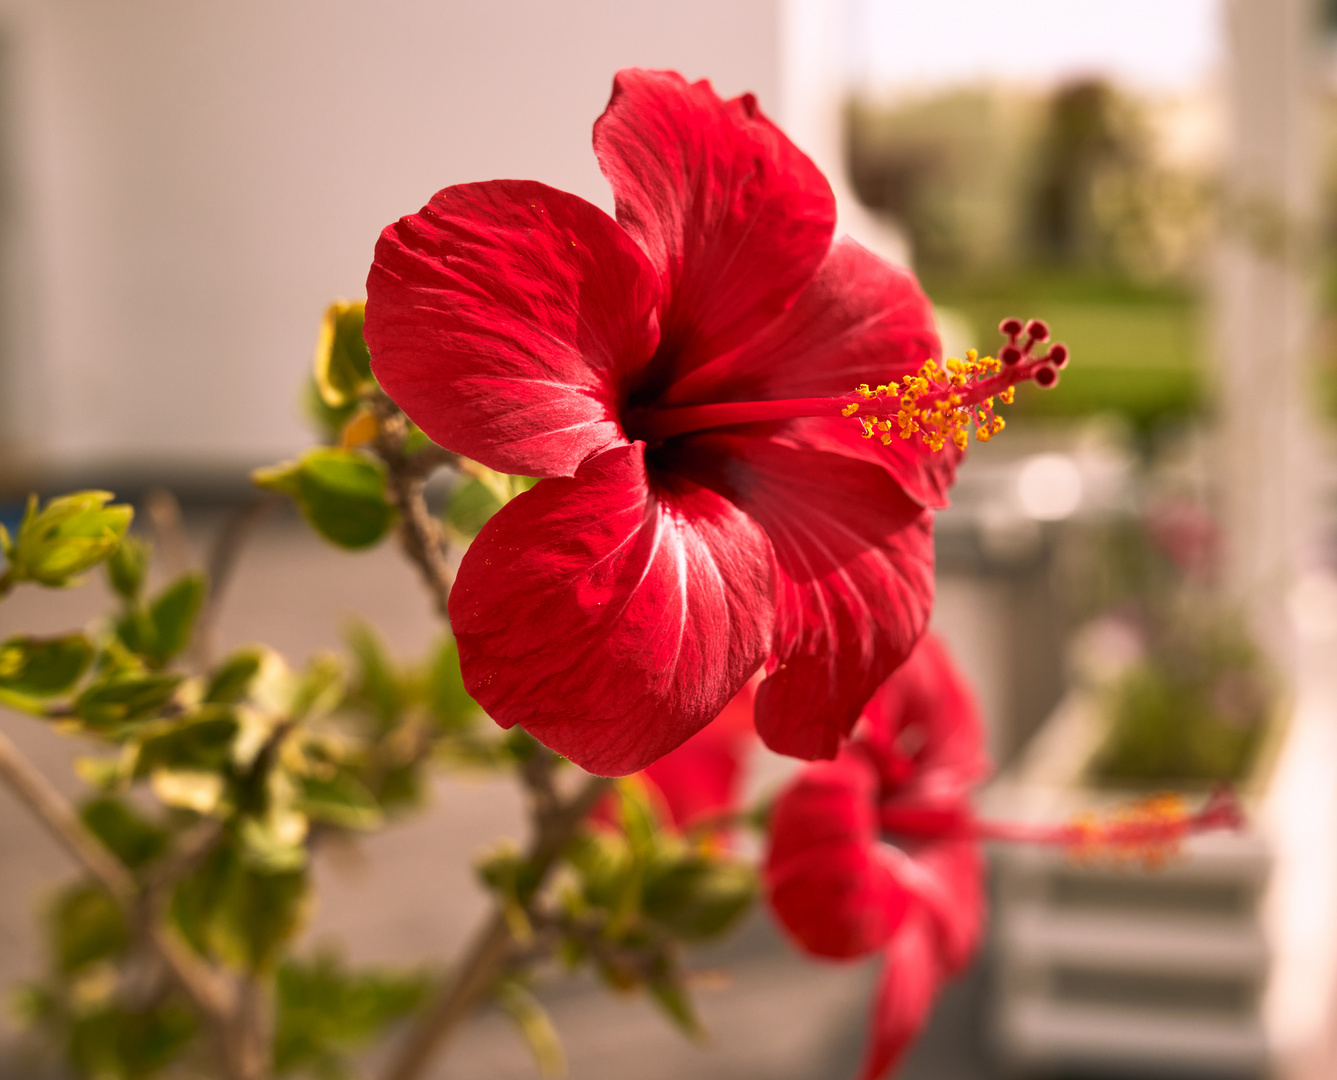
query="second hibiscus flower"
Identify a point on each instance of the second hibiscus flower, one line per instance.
(684, 377)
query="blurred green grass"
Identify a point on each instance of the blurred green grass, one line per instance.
(1137, 351)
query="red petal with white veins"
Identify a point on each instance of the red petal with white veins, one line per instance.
(508, 320)
(613, 618)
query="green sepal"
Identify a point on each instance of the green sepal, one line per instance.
(341, 493)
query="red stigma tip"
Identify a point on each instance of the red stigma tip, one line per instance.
(1046, 377)
(1010, 327)
(1037, 330)
(1009, 354)
(1058, 355)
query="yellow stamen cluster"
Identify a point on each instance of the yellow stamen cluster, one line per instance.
(932, 404)
(1149, 830)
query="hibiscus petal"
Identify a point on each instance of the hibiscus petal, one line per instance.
(829, 881)
(734, 217)
(861, 320)
(855, 578)
(927, 712)
(506, 318)
(905, 992)
(610, 617)
(950, 881)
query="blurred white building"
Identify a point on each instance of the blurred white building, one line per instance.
(185, 186)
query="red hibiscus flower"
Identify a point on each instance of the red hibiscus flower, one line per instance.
(842, 891)
(685, 377)
(878, 850)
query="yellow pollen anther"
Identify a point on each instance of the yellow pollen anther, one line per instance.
(1150, 830)
(941, 402)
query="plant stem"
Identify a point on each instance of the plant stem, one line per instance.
(223, 556)
(486, 958)
(211, 995)
(419, 532)
(6, 583)
(52, 809)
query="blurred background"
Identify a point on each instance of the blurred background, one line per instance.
(1138, 576)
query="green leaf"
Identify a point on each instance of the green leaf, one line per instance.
(66, 537)
(231, 680)
(340, 800)
(34, 667)
(162, 631)
(378, 685)
(698, 897)
(474, 502)
(340, 492)
(117, 1043)
(174, 611)
(640, 824)
(131, 838)
(329, 422)
(188, 789)
(128, 566)
(471, 507)
(449, 703)
(319, 689)
(201, 742)
(672, 998)
(535, 1027)
(239, 913)
(86, 925)
(120, 699)
(325, 1010)
(342, 363)
(275, 842)
(607, 872)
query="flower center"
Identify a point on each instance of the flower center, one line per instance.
(938, 403)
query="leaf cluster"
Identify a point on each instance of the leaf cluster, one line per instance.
(629, 896)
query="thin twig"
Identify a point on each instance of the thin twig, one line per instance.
(206, 990)
(54, 811)
(419, 532)
(486, 958)
(223, 558)
(165, 513)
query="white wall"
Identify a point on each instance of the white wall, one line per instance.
(195, 180)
